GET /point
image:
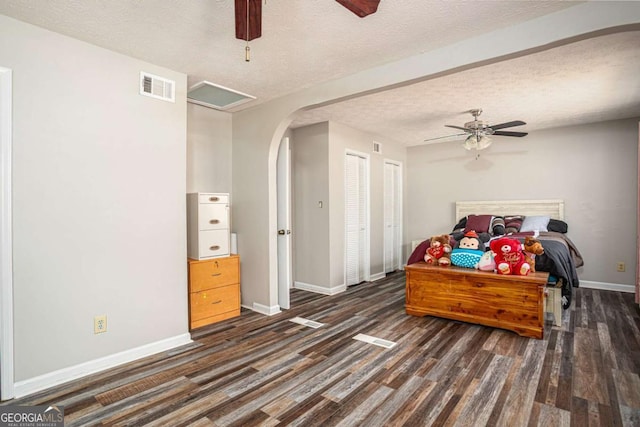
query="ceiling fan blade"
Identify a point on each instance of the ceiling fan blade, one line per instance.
(458, 127)
(361, 8)
(248, 24)
(443, 137)
(508, 124)
(508, 133)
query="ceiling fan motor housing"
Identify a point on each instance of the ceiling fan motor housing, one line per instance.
(478, 126)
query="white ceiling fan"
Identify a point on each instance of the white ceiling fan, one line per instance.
(478, 132)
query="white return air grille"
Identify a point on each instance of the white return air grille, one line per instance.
(157, 87)
(307, 322)
(375, 341)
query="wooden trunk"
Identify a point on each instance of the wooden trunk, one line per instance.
(509, 302)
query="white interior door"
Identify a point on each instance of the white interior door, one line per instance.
(285, 269)
(356, 219)
(392, 216)
(6, 260)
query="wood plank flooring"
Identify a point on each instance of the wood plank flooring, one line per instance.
(268, 371)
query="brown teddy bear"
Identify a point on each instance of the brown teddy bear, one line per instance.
(531, 248)
(439, 251)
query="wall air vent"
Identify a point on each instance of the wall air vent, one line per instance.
(215, 96)
(157, 87)
(377, 147)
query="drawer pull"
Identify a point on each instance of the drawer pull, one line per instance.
(214, 221)
(214, 199)
(217, 302)
(216, 274)
(214, 248)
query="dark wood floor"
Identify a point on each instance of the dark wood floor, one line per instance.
(258, 370)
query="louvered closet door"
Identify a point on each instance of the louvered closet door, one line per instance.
(355, 218)
(392, 216)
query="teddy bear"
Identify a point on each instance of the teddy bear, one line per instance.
(439, 251)
(509, 257)
(468, 249)
(531, 248)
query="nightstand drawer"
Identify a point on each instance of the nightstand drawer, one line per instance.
(213, 273)
(213, 216)
(214, 302)
(214, 243)
(213, 198)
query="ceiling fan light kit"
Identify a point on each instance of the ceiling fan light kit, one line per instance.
(477, 142)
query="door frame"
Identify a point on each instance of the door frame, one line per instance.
(6, 239)
(400, 214)
(638, 227)
(367, 235)
(284, 289)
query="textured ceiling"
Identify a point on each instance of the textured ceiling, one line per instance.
(588, 81)
(306, 42)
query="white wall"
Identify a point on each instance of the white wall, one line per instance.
(343, 137)
(208, 150)
(593, 168)
(319, 166)
(99, 186)
(310, 179)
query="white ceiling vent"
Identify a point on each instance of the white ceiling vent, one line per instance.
(215, 96)
(157, 87)
(377, 147)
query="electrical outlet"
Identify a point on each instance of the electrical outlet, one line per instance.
(620, 266)
(100, 324)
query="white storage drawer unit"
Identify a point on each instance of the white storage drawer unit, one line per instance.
(208, 231)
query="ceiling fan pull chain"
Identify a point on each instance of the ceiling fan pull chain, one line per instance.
(247, 49)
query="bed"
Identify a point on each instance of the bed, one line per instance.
(559, 262)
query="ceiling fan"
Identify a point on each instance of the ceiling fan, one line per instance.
(478, 132)
(248, 17)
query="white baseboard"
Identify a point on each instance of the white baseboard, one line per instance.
(264, 309)
(51, 379)
(618, 287)
(319, 289)
(377, 276)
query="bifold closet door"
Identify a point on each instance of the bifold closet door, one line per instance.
(356, 205)
(392, 216)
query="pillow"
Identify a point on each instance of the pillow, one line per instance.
(512, 223)
(478, 223)
(558, 226)
(460, 225)
(497, 226)
(535, 223)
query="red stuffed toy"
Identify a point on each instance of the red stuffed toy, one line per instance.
(509, 257)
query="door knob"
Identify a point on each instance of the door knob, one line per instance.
(281, 232)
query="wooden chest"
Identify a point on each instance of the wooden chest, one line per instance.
(509, 302)
(214, 290)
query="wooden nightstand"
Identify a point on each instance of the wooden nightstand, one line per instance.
(214, 290)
